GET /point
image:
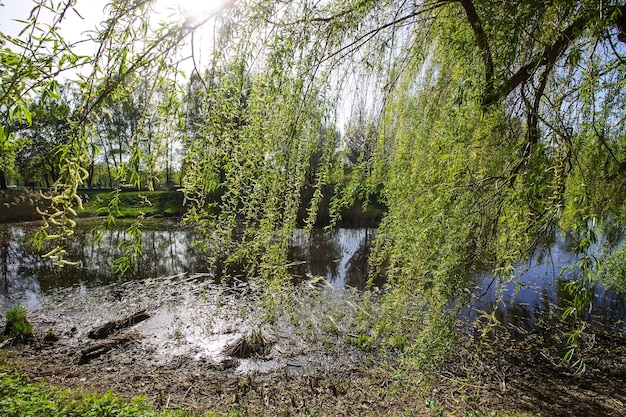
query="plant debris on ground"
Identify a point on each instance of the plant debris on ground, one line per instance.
(210, 347)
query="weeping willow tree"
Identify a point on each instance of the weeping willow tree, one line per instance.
(504, 128)
(500, 123)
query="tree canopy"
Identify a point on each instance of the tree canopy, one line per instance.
(495, 125)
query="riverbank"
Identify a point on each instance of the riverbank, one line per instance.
(181, 357)
(316, 357)
(20, 397)
(18, 205)
(133, 204)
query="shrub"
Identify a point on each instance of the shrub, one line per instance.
(16, 323)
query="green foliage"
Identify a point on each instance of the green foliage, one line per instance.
(16, 323)
(254, 147)
(47, 129)
(492, 127)
(24, 74)
(362, 341)
(18, 397)
(130, 248)
(133, 203)
(613, 270)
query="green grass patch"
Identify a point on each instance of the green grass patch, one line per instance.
(134, 203)
(19, 397)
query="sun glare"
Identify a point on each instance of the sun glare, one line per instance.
(196, 8)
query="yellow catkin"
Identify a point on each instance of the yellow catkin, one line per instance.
(53, 252)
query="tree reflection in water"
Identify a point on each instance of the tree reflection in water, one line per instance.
(166, 251)
(340, 256)
(538, 296)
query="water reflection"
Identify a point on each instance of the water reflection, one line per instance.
(340, 256)
(25, 275)
(539, 291)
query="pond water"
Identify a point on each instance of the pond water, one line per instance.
(340, 256)
(538, 293)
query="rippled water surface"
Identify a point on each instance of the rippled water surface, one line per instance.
(539, 291)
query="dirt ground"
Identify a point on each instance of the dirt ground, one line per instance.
(176, 358)
(529, 374)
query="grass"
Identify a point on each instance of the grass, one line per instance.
(134, 203)
(21, 205)
(19, 397)
(16, 323)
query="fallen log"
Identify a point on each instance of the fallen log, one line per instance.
(99, 348)
(103, 331)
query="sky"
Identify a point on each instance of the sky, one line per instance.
(92, 12)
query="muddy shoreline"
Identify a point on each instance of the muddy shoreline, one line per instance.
(176, 357)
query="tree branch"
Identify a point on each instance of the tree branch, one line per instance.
(549, 55)
(481, 42)
(176, 33)
(363, 39)
(533, 115)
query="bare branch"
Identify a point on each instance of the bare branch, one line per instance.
(361, 40)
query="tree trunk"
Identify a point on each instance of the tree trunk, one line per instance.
(90, 176)
(168, 182)
(90, 171)
(168, 164)
(3, 181)
(109, 174)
